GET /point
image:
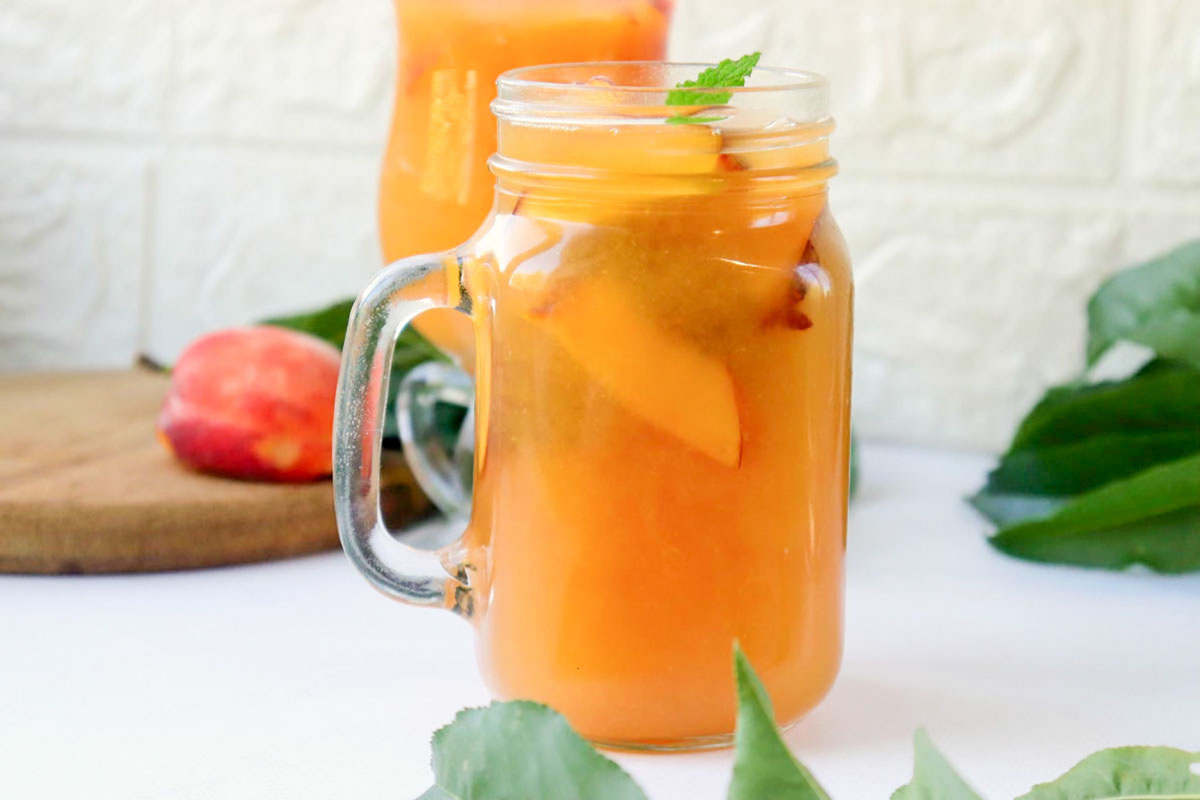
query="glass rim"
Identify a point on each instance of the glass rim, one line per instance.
(594, 93)
(792, 80)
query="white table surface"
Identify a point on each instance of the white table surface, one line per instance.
(295, 680)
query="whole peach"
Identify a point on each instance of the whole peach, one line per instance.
(253, 403)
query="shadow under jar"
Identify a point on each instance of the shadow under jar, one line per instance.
(662, 316)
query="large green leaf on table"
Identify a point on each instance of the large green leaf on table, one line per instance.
(521, 749)
(1130, 772)
(1156, 304)
(1166, 398)
(1069, 469)
(933, 777)
(1002, 508)
(330, 324)
(1082, 437)
(1151, 518)
(763, 765)
(435, 793)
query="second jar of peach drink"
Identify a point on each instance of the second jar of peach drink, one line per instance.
(662, 313)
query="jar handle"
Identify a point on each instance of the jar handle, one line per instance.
(444, 473)
(397, 294)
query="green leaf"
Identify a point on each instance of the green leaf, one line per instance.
(763, 766)
(1166, 398)
(412, 349)
(933, 777)
(1128, 772)
(853, 478)
(1152, 518)
(330, 324)
(1157, 365)
(1070, 469)
(692, 120)
(704, 90)
(523, 750)
(327, 323)
(1156, 305)
(436, 793)
(1006, 509)
(1081, 437)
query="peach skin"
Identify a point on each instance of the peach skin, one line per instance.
(253, 403)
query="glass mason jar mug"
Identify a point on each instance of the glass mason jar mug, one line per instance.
(662, 316)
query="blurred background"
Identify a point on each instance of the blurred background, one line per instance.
(170, 167)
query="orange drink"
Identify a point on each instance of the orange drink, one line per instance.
(663, 320)
(435, 188)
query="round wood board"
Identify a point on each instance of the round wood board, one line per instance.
(85, 487)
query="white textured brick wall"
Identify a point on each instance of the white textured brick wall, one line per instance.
(171, 166)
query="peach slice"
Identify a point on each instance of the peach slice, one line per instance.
(661, 378)
(253, 403)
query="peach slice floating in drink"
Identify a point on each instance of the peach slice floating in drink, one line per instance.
(662, 379)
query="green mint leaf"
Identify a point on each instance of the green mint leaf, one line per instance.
(1156, 305)
(728, 73)
(933, 777)
(763, 766)
(1152, 518)
(1129, 772)
(330, 324)
(521, 749)
(704, 90)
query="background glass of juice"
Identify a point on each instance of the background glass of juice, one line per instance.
(661, 404)
(435, 188)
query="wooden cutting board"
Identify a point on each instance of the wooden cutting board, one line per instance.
(86, 487)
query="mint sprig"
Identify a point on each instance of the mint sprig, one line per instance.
(705, 89)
